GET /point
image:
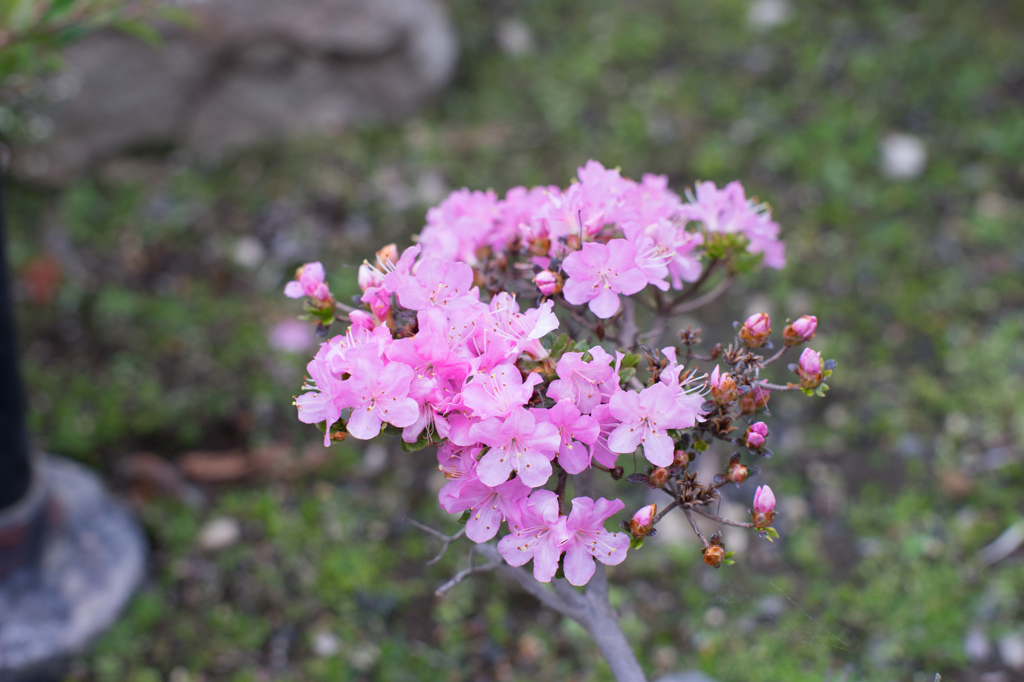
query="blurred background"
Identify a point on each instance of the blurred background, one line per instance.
(161, 193)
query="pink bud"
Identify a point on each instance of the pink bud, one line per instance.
(758, 323)
(800, 331)
(756, 435)
(369, 276)
(756, 330)
(764, 499)
(809, 368)
(723, 386)
(548, 282)
(643, 520)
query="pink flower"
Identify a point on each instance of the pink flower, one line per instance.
(583, 382)
(728, 211)
(518, 443)
(600, 450)
(488, 507)
(810, 368)
(643, 521)
(458, 464)
(756, 435)
(548, 282)
(588, 540)
(646, 417)
(523, 329)
(378, 393)
(322, 402)
(538, 535)
(291, 336)
(598, 273)
(764, 499)
(800, 331)
(500, 392)
(309, 281)
(756, 329)
(460, 225)
(690, 403)
(575, 430)
(438, 284)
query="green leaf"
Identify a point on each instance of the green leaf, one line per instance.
(700, 445)
(176, 15)
(559, 346)
(464, 519)
(631, 360)
(729, 554)
(141, 30)
(626, 373)
(421, 442)
(636, 543)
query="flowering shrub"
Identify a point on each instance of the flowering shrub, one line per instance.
(457, 344)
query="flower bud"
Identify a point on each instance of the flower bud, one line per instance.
(389, 254)
(756, 329)
(737, 473)
(643, 521)
(764, 499)
(658, 477)
(723, 387)
(369, 276)
(800, 331)
(548, 282)
(810, 369)
(681, 459)
(755, 400)
(756, 435)
(764, 507)
(713, 555)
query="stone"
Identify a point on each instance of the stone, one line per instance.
(325, 644)
(93, 557)
(247, 71)
(1011, 650)
(219, 533)
(904, 156)
(976, 645)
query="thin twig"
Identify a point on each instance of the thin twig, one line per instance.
(706, 298)
(696, 529)
(447, 539)
(776, 356)
(463, 574)
(719, 519)
(672, 505)
(778, 387)
(695, 287)
(343, 307)
(628, 329)
(579, 318)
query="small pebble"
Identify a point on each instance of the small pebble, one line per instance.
(325, 644)
(219, 533)
(976, 645)
(904, 156)
(1011, 650)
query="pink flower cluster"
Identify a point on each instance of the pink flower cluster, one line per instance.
(456, 382)
(431, 358)
(610, 235)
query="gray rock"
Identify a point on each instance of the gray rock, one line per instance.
(1011, 650)
(247, 71)
(93, 558)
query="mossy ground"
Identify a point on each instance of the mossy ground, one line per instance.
(153, 337)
